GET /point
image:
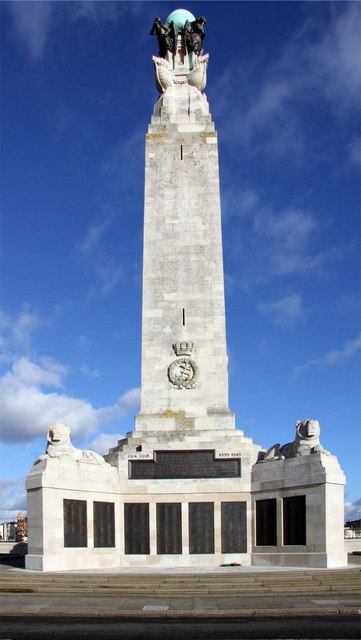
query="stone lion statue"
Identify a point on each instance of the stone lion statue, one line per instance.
(307, 441)
(59, 445)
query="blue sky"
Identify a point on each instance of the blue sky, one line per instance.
(77, 96)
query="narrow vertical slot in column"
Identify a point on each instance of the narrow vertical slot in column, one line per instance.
(184, 317)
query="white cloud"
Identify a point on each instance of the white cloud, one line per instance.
(265, 243)
(131, 398)
(284, 311)
(13, 498)
(33, 22)
(333, 357)
(354, 149)
(349, 301)
(287, 237)
(353, 510)
(238, 202)
(17, 331)
(27, 409)
(91, 373)
(121, 174)
(102, 10)
(93, 236)
(105, 441)
(335, 58)
(318, 67)
(93, 10)
(107, 271)
(48, 372)
(108, 274)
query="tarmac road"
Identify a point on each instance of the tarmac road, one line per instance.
(71, 628)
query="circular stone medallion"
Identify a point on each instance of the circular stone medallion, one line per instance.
(183, 373)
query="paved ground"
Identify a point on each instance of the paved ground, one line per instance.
(185, 628)
(99, 606)
(227, 604)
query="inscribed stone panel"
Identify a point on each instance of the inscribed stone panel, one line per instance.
(184, 464)
(75, 523)
(294, 520)
(136, 528)
(266, 522)
(104, 524)
(234, 527)
(201, 527)
(169, 528)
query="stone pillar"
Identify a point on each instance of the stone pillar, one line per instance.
(184, 359)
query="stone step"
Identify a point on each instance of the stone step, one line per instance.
(187, 593)
(183, 580)
(136, 579)
(184, 588)
(332, 582)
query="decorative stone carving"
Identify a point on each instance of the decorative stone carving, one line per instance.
(306, 442)
(181, 59)
(198, 76)
(163, 75)
(59, 445)
(183, 373)
(183, 348)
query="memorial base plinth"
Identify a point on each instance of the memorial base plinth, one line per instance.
(305, 560)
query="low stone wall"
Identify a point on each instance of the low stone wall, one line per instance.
(354, 544)
(15, 548)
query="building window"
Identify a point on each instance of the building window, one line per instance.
(234, 527)
(294, 520)
(201, 527)
(266, 523)
(104, 524)
(75, 523)
(136, 528)
(169, 528)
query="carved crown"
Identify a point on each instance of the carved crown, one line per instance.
(183, 348)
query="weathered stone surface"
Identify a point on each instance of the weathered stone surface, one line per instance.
(320, 479)
(183, 295)
(59, 445)
(306, 442)
(203, 513)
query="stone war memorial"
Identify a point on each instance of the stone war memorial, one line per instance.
(185, 488)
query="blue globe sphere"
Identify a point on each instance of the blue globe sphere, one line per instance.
(179, 17)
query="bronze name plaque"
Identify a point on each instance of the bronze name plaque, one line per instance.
(234, 527)
(136, 528)
(294, 520)
(201, 527)
(104, 524)
(266, 522)
(75, 523)
(175, 465)
(169, 527)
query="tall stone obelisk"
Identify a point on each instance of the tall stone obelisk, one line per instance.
(186, 488)
(184, 357)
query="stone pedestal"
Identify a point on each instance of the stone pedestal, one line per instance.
(50, 483)
(70, 503)
(307, 494)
